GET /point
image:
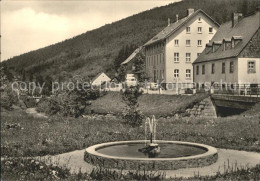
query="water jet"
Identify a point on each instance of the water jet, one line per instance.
(150, 153)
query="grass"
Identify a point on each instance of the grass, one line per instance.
(41, 136)
(158, 105)
(30, 136)
(30, 169)
(24, 135)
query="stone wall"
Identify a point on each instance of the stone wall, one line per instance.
(205, 108)
(92, 156)
(149, 165)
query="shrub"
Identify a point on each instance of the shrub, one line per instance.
(131, 115)
(30, 169)
(49, 106)
(29, 101)
(70, 103)
(8, 98)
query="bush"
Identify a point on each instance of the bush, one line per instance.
(29, 169)
(8, 98)
(131, 115)
(29, 101)
(49, 106)
(70, 103)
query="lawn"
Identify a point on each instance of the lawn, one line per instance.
(158, 105)
(24, 135)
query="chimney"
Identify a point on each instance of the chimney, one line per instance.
(190, 11)
(236, 17)
(169, 21)
(177, 17)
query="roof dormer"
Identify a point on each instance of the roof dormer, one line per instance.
(216, 45)
(235, 40)
(208, 48)
(226, 43)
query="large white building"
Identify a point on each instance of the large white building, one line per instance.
(233, 55)
(170, 54)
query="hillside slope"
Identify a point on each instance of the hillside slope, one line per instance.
(94, 51)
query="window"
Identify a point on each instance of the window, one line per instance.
(213, 68)
(198, 70)
(199, 42)
(199, 20)
(176, 57)
(162, 58)
(176, 42)
(251, 67)
(162, 74)
(176, 73)
(223, 67)
(210, 30)
(203, 69)
(187, 29)
(187, 57)
(231, 67)
(199, 29)
(187, 42)
(198, 54)
(188, 73)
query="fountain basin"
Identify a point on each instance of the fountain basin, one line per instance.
(174, 155)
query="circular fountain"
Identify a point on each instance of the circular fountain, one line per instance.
(150, 154)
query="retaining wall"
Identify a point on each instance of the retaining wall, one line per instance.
(205, 108)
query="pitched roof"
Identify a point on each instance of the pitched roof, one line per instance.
(98, 76)
(243, 30)
(132, 55)
(172, 28)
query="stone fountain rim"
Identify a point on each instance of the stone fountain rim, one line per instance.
(210, 150)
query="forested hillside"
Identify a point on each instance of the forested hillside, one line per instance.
(94, 51)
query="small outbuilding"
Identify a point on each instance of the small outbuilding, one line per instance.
(100, 79)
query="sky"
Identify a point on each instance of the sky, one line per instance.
(33, 24)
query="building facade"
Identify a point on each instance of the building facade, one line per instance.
(129, 62)
(100, 79)
(233, 56)
(170, 54)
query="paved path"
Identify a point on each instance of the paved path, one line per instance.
(33, 112)
(233, 158)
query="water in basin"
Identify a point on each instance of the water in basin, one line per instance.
(168, 150)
